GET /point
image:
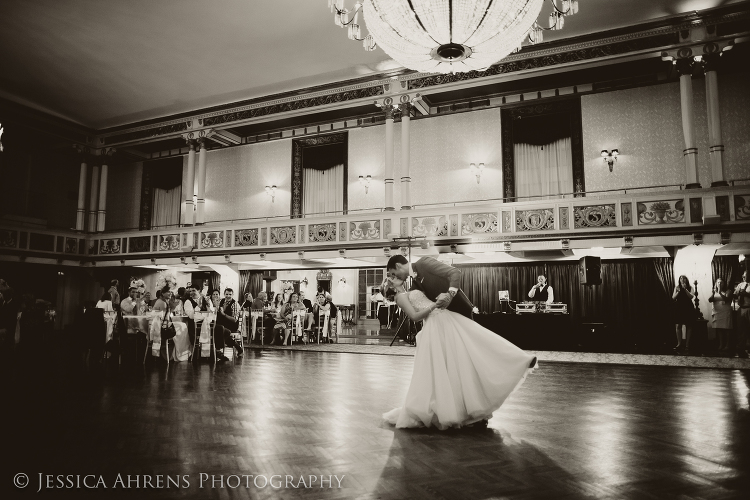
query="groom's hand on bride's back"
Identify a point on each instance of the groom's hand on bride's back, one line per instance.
(443, 300)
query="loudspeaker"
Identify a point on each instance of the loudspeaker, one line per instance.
(590, 270)
(269, 275)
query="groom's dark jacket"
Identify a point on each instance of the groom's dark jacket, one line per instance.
(434, 277)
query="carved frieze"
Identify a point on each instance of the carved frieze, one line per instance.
(742, 207)
(212, 239)
(365, 230)
(541, 219)
(109, 246)
(627, 214)
(322, 232)
(429, 226)
(8, 239)
(479, 223)
(283, 235)
(661, 212)
(139, 244)
(168, 242)
(594, 216)
(564, 223)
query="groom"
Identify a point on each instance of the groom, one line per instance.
(438, 281)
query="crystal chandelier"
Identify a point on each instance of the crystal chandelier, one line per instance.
(448, 36)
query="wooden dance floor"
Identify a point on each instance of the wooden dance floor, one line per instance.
(272, 424)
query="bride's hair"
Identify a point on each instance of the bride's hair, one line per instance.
(385, 286)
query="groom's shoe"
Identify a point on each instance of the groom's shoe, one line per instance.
(533, 363)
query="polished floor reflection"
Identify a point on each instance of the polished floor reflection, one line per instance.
(572, 431)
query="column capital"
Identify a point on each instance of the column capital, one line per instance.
(684, 66)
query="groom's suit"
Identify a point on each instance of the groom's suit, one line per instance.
(434, 277)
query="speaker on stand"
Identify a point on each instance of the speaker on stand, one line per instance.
(590, 270)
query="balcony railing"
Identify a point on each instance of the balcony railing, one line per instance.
(486, 220)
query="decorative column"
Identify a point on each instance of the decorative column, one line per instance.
(685, 67)
(93, 199)
(81, 212)
(101, 214)
(188, 217)
(200, 214)
(389, 111)
(716, 148)
(405, 152)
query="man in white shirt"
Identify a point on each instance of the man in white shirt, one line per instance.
(542, 292)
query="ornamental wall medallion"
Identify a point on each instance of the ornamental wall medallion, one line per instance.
(479, 223)
(284, 235)
(246, 238)
(507, 225)
(71, 245)
(429, 226)
(365, 230)
(322, 232)
(212, 239)
(661, 212)
(139, 244)
(564, 218)
(627, 214)
(594, 216)
(722, 208)
(109, 246)
(8, 239)
(535, 220)
(169, 242)
(742, 207)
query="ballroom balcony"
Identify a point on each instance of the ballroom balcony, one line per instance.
(632, 220)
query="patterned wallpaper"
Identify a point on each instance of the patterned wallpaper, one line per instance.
(445, 144)
(236, 179)
(645, 124)
(124, 196)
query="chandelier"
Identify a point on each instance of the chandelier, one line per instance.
(449, 36)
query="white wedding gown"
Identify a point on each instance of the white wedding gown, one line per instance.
(462, 371)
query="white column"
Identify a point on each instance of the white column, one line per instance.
(716, 146)
(81, 212)
(200, 215)
(690, 152)
(389, 206)
(102, 199)
(405, 156)
(188, 217)
(94, 198)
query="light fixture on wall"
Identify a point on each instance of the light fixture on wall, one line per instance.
(365, 181)
(271, 191)
(195, 203)
(610, 157)
(342, 281)
(477, 170)
(304, 281)
(1, 136)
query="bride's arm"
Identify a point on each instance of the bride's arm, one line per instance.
(403, 302)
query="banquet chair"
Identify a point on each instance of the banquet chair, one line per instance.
(198, 345)
(298, 323)
(255, 316)
(321, 329)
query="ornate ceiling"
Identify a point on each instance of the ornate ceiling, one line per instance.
(112, 64)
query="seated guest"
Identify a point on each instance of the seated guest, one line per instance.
(321, 305)
(542, 292)
(227, 311)
(176, 304)
(147, 299)
(279, 323)
(721, 313)
(129, 305)
(287, 313)
(267, 320)
(162, 303)
(332, 319)
(214, 300)
(190, 307)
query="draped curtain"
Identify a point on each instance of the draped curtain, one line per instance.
(543, 170)
(631, 300)
(214, 282)
(166, 208)
(727, 267)
(251, 281)
(324, 190)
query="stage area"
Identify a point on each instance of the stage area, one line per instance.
(572, 431)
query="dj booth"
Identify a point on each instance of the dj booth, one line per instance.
(542, 327)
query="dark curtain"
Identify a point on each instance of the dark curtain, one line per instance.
(541, 129)
(664, 268)
(324, 157)
(727, 267)
(631, 301)
(254, 282)
(214, 282)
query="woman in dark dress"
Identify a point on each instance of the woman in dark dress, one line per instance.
(684, 312)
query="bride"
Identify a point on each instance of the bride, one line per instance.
(462, 371)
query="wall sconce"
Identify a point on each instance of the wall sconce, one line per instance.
(342, 281)
(365, 181)
(1, 136)
(271, 191)
(477, 170)
(304, 281)
(610, 158)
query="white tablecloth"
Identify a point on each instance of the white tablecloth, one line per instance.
(151, 325)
